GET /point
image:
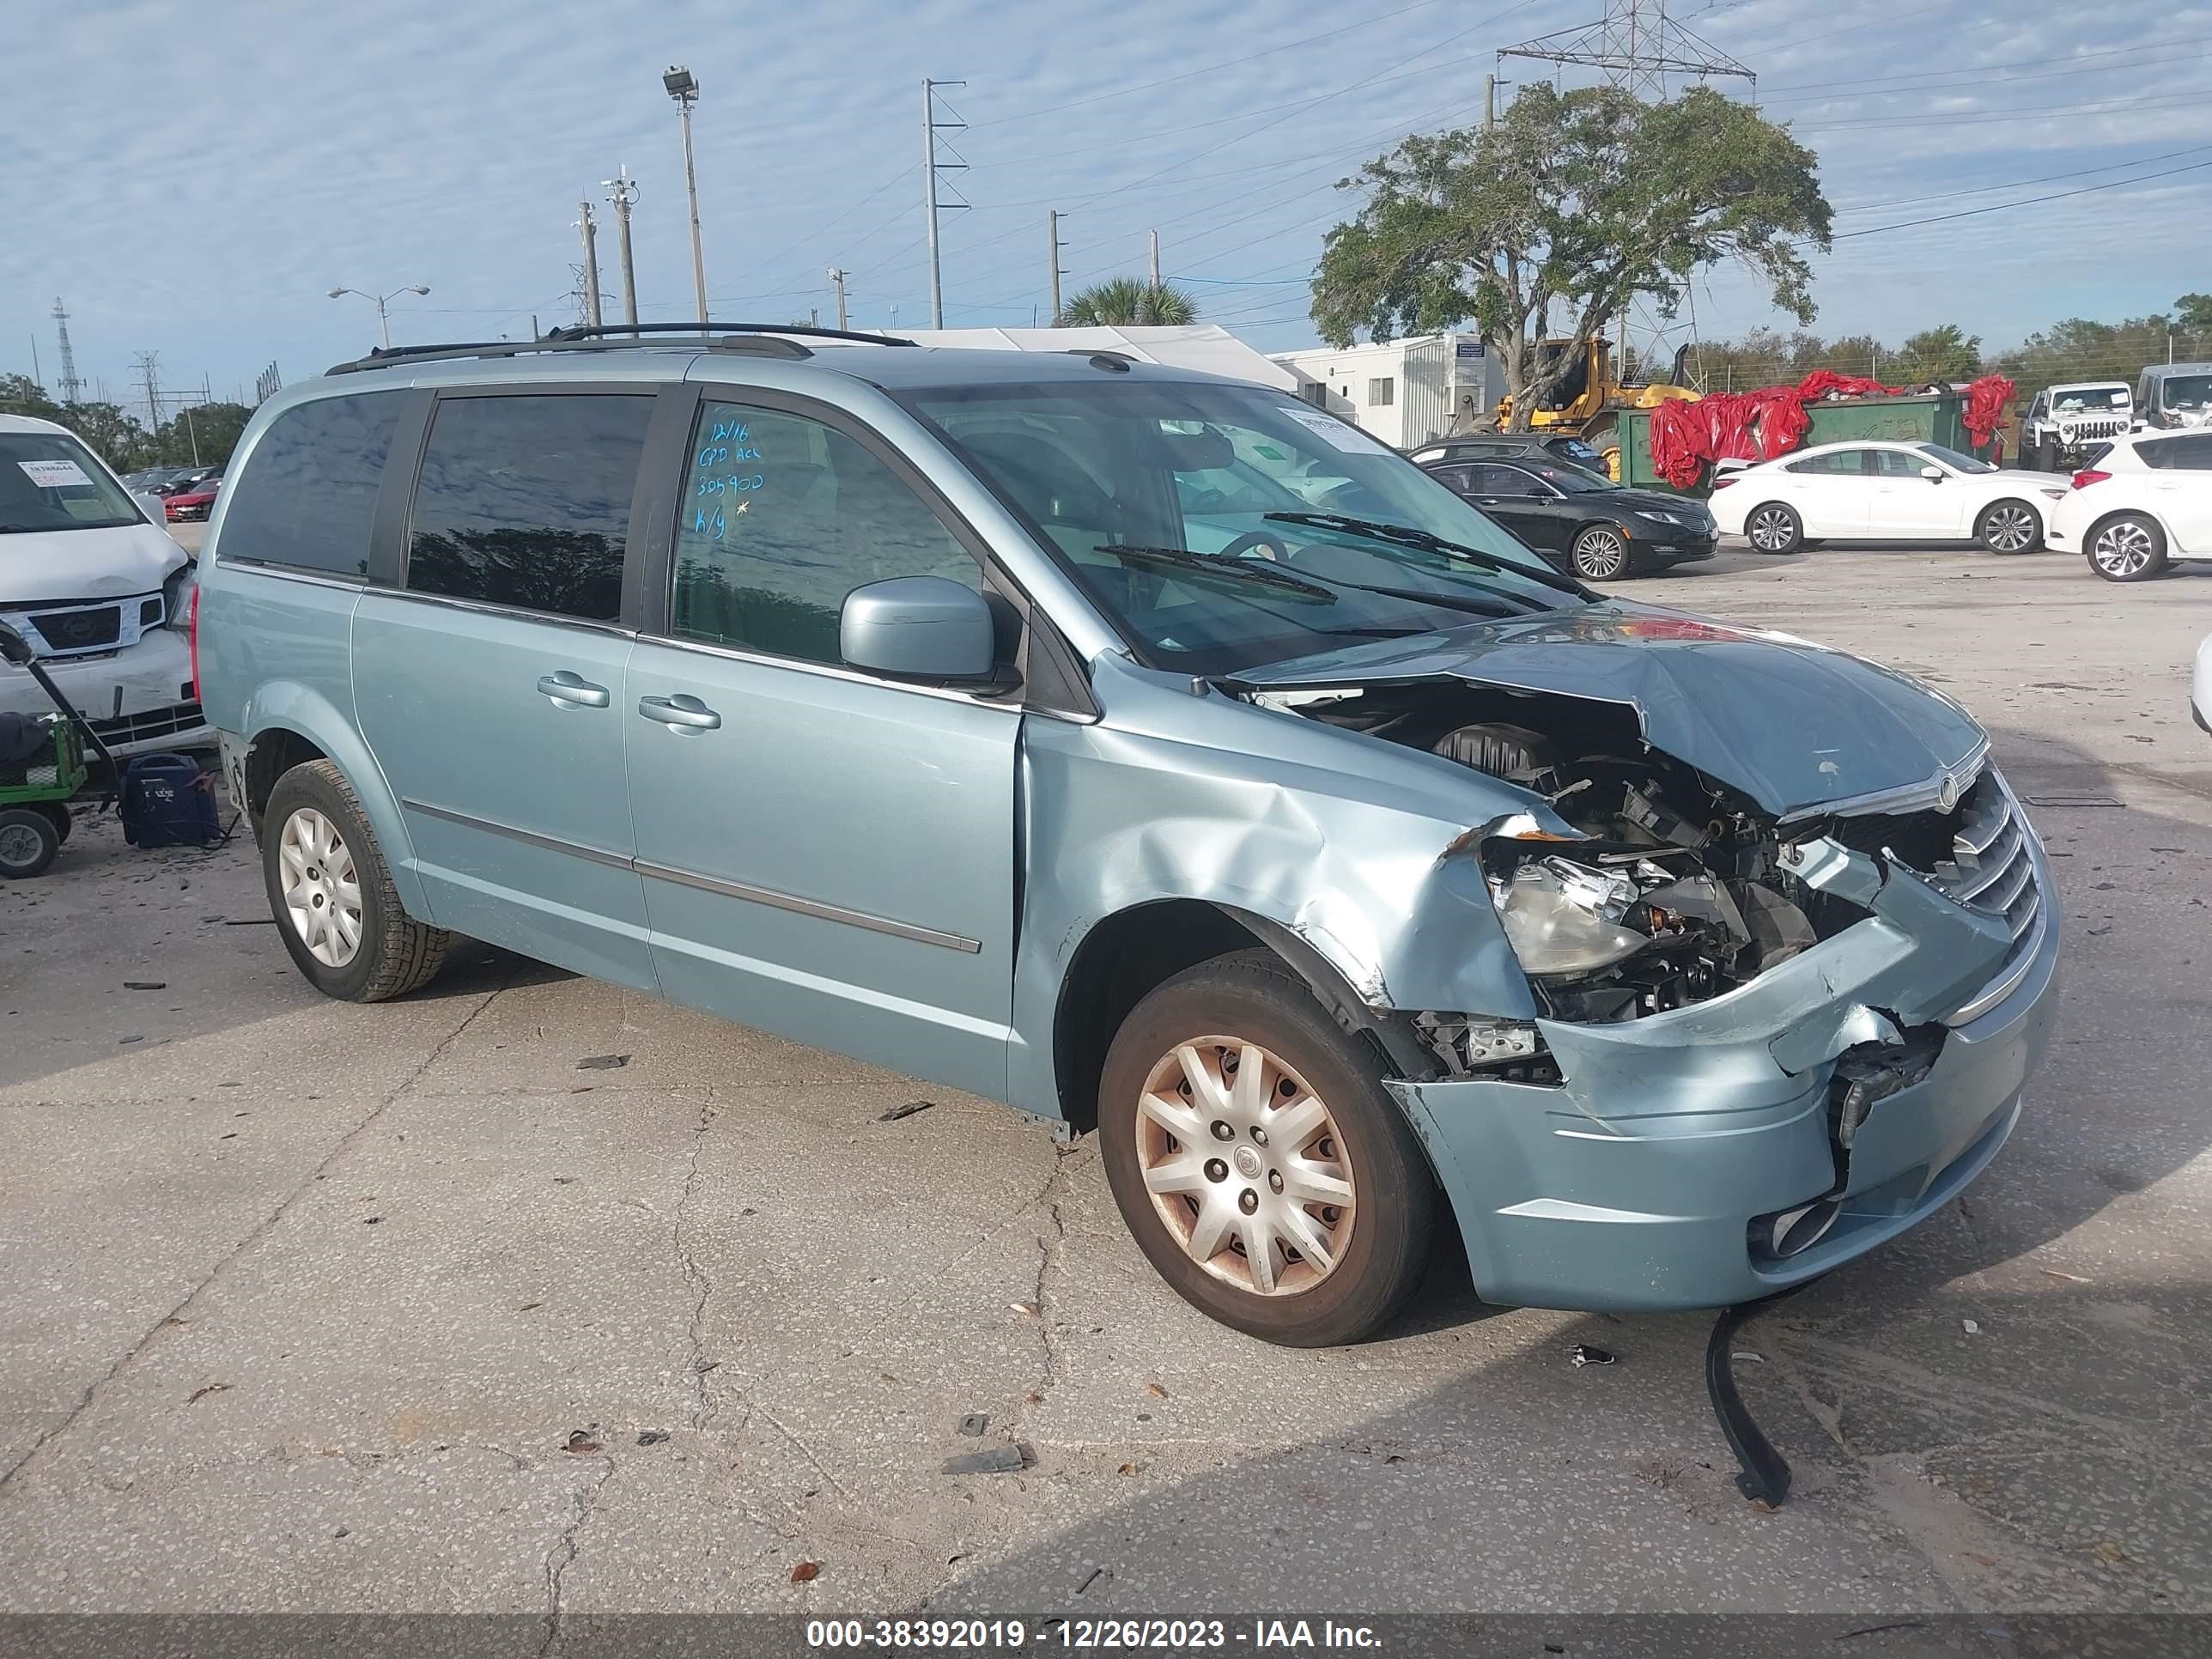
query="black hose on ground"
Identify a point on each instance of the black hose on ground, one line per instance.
(1766, 1473)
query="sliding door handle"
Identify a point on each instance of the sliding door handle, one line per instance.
(680, 712)
(573, 691)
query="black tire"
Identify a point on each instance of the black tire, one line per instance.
(2128, 547)
(1774, 529)
(1252, 997)
(1600, 553)
(2010, 525)
(59, 812)
(395, 953)
(28, 843)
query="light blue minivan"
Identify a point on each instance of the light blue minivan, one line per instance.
(1158, 754)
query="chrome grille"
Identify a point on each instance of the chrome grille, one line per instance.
(1992, 869)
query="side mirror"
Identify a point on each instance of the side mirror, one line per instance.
(1932, 474)
(917, 628)
(14, 648)
(155, 509)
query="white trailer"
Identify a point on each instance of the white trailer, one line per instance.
(1406, 393)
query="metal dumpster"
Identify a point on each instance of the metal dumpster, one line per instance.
(1922, 417)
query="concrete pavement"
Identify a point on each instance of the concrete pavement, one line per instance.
(306, 1306)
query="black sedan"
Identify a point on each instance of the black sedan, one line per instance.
(1582, 521)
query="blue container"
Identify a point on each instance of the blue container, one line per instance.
(167, 801)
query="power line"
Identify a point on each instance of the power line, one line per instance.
(2029, 200)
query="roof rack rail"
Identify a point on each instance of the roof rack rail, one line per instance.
(764, 339)
(604, 331)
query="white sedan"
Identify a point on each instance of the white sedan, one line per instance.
(1884, 492)
(2141, 503)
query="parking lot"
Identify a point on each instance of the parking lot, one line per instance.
(527, 1295)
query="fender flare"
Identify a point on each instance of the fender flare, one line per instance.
(1392, 1032)
(287, 705)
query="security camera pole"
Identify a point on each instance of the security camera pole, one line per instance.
(684, 89)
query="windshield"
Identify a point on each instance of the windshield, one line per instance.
(1954, 461)
(1221, 526)
(49, 481)
(2190, 392)
(2089, 396)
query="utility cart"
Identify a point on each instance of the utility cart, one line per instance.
(35, 790)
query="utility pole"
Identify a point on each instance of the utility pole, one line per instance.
(930, 167)
(837, 281)
(1052, 252)
(684, 87)
(69, 386)
(1156, 261)
(1489, 101)
(622, 191)
(590, 263)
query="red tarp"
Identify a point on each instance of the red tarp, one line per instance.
(1688, 435)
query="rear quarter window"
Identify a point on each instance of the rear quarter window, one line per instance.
(307, 495)
(2192, 454)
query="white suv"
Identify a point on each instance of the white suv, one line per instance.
(92, 582)
(2141, 502)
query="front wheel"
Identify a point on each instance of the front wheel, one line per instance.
(1774, 528)
(2010, 527)
(28, 843)
(1601, 553)
(332, 893)
(2129, 547)
(1263, 1169)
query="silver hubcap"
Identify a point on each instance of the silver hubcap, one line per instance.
(1245, 1166)
(2122, 549)
(19, 844)
(2010, 529)
(322, 891)
(1600, 554)
(1770, 529)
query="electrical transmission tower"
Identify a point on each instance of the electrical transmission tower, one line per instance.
(933, 167)
(71, 387)
(1636, 45)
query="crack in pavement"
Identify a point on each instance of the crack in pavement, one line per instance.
(702, 1406)
(261, 1231)
(1052, 1256)
(563, 1555)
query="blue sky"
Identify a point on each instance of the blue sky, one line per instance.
(206, 174)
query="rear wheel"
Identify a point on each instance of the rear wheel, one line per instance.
(2010, 527)
(1263, 1169)
(28, 843)
(2128, 547)
(332, 893)
(1601, 553)
(1774, 528)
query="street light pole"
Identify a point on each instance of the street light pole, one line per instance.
(383, 318)
(684, 87)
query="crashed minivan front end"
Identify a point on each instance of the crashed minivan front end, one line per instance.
(1787, 947)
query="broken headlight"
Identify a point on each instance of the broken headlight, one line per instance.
(1561, 917)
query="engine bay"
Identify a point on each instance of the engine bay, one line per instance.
(1678, 893)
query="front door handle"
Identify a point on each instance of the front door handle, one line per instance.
(573, 691)
(679, 713)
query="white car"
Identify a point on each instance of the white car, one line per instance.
(2200, 689)
(1875, 491)
(2141, 503)
(93, 582)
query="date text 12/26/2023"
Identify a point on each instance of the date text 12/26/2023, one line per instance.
(1073, 1635)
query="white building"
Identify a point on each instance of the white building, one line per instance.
(1403, 392)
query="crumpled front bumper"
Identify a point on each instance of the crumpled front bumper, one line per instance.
(1634, 1183)
(154, 710)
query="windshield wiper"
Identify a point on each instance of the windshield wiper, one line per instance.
(1405, 536)
(1259, 572)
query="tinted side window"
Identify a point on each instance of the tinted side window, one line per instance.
(526, 502)
(782, 518)
(308, 493)
(1896, 463)
(1493, 479)
(2192, 454)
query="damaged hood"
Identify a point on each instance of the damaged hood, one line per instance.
(1796, 726)
(39, 567)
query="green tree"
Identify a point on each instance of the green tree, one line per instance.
(1946, 352)
(1581, 201)
(2192, 314)
(21, 395)
(1126, 302)
(201, 436)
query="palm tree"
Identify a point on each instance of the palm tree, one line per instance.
(1126, 301)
